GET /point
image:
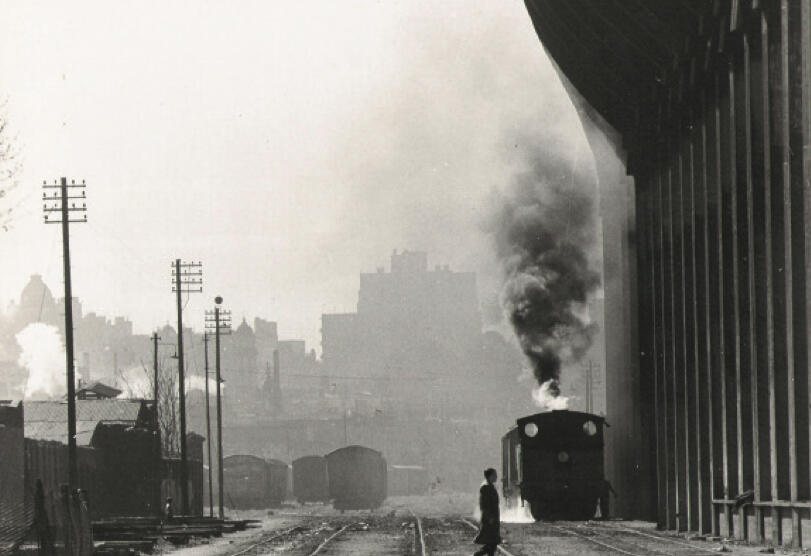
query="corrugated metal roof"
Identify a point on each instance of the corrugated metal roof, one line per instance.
(48, 430)
(48, 420)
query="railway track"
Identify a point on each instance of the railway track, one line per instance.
(501, 549)
(616, 538)
(268, 540)
(419, 537)
(608, 538)
(659, 538)
(598, 542)
(450, 535)
(329, 539)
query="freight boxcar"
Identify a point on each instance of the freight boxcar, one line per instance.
(246, 481)
(310, 483)
(278, 479)
(357, 478)
(554, 462)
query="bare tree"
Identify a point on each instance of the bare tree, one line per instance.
(9, 169)
(169, 412)
(168, 400)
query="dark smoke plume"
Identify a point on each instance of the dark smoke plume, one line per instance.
(544, 229)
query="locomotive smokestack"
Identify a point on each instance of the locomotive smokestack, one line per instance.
(544, 229)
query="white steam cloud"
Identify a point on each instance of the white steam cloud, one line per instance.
(196, 382)
(510, 511)
(42, 354)
(547, 399)
(136, 382)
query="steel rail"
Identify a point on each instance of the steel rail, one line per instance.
(418, 533)
(328, 539)
(595, 541)
(268, 540)
(500, 548)
(657, 537)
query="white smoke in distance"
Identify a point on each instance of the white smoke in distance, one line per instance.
(135, 383)
(42, 354)
(196, 382)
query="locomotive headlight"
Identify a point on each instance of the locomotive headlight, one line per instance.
(563, 457)
(590, 428)
(531, 429)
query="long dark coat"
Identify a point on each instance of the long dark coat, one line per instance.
(490, 528)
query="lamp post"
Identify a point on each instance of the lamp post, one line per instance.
(208, 428)
(219, 322)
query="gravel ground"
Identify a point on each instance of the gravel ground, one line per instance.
(445, 520)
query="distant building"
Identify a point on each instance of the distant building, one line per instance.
(294, 358)
(410, 319)
(239, 359)
(414, 331)
(267, 339)
(37, 303)
(253, 388)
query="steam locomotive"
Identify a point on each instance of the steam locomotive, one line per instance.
(554, 462)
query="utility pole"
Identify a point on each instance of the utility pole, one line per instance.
(208, 429)
(220, 322)
(64, 204)
(155, 338)
(186, 278)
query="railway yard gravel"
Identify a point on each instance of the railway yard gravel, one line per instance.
(442, 525)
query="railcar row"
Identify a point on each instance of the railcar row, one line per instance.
(253, 483)
(354, 477)
(552, 461)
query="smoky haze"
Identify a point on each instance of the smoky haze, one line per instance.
(288, 146)
(386, 181)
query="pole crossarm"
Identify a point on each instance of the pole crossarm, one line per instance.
(57, 206)
(187, 276)
(224, 322)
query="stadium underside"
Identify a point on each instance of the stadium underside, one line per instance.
(710, 102)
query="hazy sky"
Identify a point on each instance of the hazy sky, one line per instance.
(287, 145)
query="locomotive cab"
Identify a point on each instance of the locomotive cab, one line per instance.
(554, 460)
